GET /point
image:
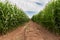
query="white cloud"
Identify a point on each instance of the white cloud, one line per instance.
(29, 5)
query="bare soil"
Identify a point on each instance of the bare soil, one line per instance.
(30, 31)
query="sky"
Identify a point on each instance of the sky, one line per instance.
(30, 7)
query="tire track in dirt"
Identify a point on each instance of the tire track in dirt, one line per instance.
(30, 31)
(17, 34)
(37, 32)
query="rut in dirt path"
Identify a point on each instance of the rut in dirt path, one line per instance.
(30, 31)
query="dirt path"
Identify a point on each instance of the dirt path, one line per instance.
(30, 31)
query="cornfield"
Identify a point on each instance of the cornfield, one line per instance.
(50, 17)
(11, 17)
